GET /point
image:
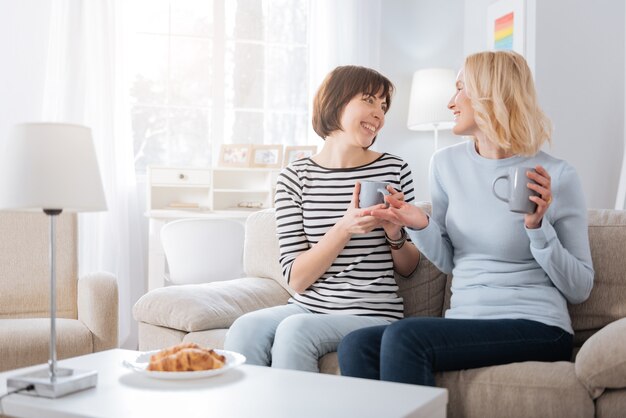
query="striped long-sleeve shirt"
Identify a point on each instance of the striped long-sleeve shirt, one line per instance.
(310, 199)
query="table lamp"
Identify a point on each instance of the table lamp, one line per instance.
(431, 91)
(51, 167)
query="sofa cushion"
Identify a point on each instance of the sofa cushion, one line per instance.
(611, 404)
(329, 363)
(260, 251)
(607, 302)
(206, 306)
(154, 337)
(423, 292)
(601, 361)
(529, 389)
(24, 342)
(213, 338)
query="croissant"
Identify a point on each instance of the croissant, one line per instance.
(172, 350)
(187, 360)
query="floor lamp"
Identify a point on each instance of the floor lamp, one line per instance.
(51, 167)
(431, 91)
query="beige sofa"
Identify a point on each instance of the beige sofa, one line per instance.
(87, 309)
(592, 385)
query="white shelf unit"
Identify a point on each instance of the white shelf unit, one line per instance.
(177, 188)
(215, 189)
(235, 186)
(177, 193)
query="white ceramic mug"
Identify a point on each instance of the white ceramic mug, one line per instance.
(518, 191)
(372, 193)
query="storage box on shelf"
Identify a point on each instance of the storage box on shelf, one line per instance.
(177, 193)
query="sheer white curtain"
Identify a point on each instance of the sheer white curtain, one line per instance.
(345, 32)
(85, 84)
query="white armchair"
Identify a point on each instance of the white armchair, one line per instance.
(87, 309)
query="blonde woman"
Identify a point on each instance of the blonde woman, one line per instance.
(513, 274)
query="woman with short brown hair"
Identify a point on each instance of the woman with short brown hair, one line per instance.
(339, 263)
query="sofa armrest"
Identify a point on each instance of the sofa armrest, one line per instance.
(98, 308)
(601, 361)
(207, 306)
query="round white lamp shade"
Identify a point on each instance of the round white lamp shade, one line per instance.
(431, 91)
(50, 166)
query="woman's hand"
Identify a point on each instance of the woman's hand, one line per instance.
(400, 213)
(544, 189)
(355, 220)
(392, 230)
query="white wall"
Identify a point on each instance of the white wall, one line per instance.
(474, 26)
(578, 50)
(417, 35)
(620, 201)
(23, 44)
(580, 77)
(475, 32)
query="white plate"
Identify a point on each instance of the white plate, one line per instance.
(140, 364)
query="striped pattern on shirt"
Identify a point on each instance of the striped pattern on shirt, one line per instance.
(310, 199)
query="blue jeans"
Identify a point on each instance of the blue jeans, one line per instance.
(291, 336)
(413, 349)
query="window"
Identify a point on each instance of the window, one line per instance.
(207, 72)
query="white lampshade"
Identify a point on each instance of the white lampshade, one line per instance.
(50, 166)
(431, 91)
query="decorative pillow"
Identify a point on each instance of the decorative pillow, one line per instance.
(209, 305)
(261, 252)
(601, 361)
(607, 302)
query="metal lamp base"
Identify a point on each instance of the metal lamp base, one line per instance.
(67, 381)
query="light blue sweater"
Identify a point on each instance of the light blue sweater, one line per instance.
(500, 268)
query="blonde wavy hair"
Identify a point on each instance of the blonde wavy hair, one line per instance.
(502, 92)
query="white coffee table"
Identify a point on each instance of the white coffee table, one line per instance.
(247, 391)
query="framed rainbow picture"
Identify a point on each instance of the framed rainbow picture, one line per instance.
(506, 25)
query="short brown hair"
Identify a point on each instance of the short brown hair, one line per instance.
(338, 88)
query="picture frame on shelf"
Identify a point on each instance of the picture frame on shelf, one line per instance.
(506, 22)
(266, 156)
(293, 153)
(235, 155)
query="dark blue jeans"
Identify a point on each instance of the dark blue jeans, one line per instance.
(413, 349)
